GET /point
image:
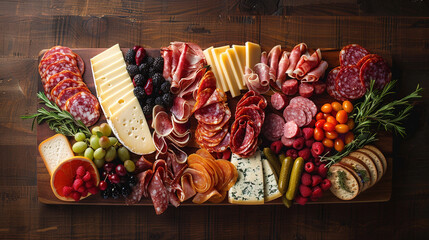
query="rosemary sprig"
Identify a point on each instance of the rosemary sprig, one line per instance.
(58, 120)
(342, 181)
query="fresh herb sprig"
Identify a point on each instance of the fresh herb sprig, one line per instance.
(58, 120)
(342, 181)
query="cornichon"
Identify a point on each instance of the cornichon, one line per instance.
(285, 171)
(295, 176)
(286, 202)
(272, 159)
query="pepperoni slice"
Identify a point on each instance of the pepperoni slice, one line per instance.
(375, 69)
(202, 98)
(84, 106)
(212, 114)
(364, 59)
(218, 127)
(55, 79)
(223, 145)
(68, 93)
(258, 100)
(273, 127)
(66, 83)
(207, 82)
(330, 84)
(43, 65)
(253, 112)
(56, 49)
(351, 54)
(59, 66)
(348, 83)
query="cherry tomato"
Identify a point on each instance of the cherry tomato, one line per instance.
(351, 124)
(339, 144)
(334, 113)
(326, 108)
(349, 137)
(328, 143)
(329, 126)
(319, 116)
(332, 120)
(320, 123)
(331, 135)
(341, 128)
(319, 134)
(341, 116)
(326, 115)
(336, 106)
(348, 106)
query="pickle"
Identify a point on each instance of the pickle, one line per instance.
(285, 171)
(295, 177)
(286, 202)
(272, 159)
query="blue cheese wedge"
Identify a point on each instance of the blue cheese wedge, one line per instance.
(271, 186)
(249, 188)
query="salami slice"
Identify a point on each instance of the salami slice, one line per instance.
(253, 112)
(375, 69)
(306, 89)
(216, 139)
(84, 106)
(278, 101)
(59, 66)
(66, 83)
(351, 54)
(223, 145)
(55, 79)
(288, 142)
(68, 93)
(295, 114)
(364, 59)
(217, 127)
(202, 98)
(212, 114)
(273, 127)
(56, 49)
(348, 83)
(258, 100)
(290, 87)
(319, 87)
(57, 56)
(80, 64)
(158, 193)
(330, 84)
(300, 101)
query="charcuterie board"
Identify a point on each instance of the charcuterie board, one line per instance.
(379, 193)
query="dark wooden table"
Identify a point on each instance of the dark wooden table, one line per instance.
(400, 28)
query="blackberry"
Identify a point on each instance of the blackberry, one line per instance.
(139, 92)
(165, 87)
(115, 191)
(105, 194)
(158, 64)
(125, 190)
(144, 69)
(158, 78)
(150, 101)
(167, 98)
(151, 72)
(133, 70)
(147, 110)
(159, 101)
(130, 57)
(149, 60)
(139, 80)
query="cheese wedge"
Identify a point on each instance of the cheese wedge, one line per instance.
(236, 68)
(240, 52)
(253, 54)
(210, 61)
(109, 101)
(105, 54)
(271, 187)
(108, 60)
(112, 88)
(120, 102)
(216, 56)
(226, 67)
(119, 63)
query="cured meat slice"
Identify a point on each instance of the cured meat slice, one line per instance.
(84, 106)
(283, 66)
(59, 66)
(187, 187)
(223, 145)
(258, 79)
(80, 64)
(216, 97)
(319, 87)
(203, 197)
(180, 141)
(68, 93)
(258, 100)
(160, 143)
(43, 65)
(180, 129)
(55, 79)
(167, 55)
(294, 57)
(140, 189)
(181, 156)
(375, 69)
(273, 127)
(212, 114)
(290, 87)
(348, 83)
(363, 60)
(56, 49)
(215, 139)
(307, 64)
(298, 101)
(180, 109)
(306, 89)
(288, 142)
(253, 112)
(158, 192)
(264, 57)
(163, 125)
(190, 86)
(291, 130)
(330, 84)
(202, 180)
(295, 114)
(196, 161)
(217, 127)
(202, 98)
(208, 81)
(244, 138)
(66, 83)
(351, 54)
(278, 101)
(316, 73)
(273, 61)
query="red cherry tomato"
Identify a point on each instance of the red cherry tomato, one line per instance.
(326, 115)
(319, 116)
(341, 116)
(331, 135)
(349, 137)
(319, 134)
(332, 120)
(329, 127)
(320, 123)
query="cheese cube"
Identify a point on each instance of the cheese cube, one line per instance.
(216, 56)
(271, 187)
(229, 74)
(253, 54)
(236, 68)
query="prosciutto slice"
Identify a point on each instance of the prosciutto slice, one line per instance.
(316, 73)
(258, 79)
(264, 57)
(307, 64)
(294, 57)
(273, 61)
(283, 66)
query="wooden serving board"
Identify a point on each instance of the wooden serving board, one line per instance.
(380, 192)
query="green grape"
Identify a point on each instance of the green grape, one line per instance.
(113, 141)
(110, 154)
(99, 153)
(99, 163)
(89, 153)
(79, 136)
(130, 166)
(105, 129)
(123, 154)
(79, 154)
(79, 147)
(95, 130)
(104, 142)
(94, 142)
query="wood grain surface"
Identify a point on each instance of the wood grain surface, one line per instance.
(400, 28)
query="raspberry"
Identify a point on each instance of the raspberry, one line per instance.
(298, 144)
(317, 161)
(77, 184)
(308, 133)
(312, 123)
(315, 180)
(81, 189)
(76, 196)
(306, 179)
(93, 190)
(301, 200)
(89, 184)
(326, 184)
(309, 167)
(323, 170)
(80, 171)
(292, 153)
(276, 146)
(67, 190)
(87, 177)
(305, 154)
(318, 148)
(309, 143)
(317, 192)
(304, 190)
(84, 192)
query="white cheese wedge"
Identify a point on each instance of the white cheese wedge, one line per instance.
(108, 60)
(105, 54)
(102, 81)
(271, 187)
(117, 96)
(253, 54)
(120, 102)
(119, 63)
(131, 128)
(112, 88)
(236, 68)
(229, 74)
(210, 61)
(216, 56)
(240, 52)
(249, 188)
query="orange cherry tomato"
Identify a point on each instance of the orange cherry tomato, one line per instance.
(326, 115)
(341, 116)
(349, 137)
(320, 123)
(348, 106)
(332, 120)
(328, 143)
(336, 106)
(351, 124)
(329, 126)
(319, 134)
(339, 144)
(331, 135)
(342, 128)
(319, 116)
(326, 108)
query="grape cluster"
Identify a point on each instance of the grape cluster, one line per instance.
(116, 181)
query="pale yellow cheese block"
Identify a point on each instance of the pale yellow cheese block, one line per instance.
(121, 102)
(114, 88)
(105, 54)
(236, 68)
(210, 61)
(118, 63)
(107, 60)
(253, 54)
(216, 56)
(112, 83)
(240, 52)
(114, 97)
(229, 74)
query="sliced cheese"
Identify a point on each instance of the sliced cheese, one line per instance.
(236, 68)
(240, 52)
(271, 187)
(118, 63)
(112, 90)
(111, 75)
(110, 83)
(105, 54)
(210, 61)
(132, 129)
(216, 56)
(253, 54)
(114, 97)
(108, 60)
(229, 74)
(249, 188)
(121, 101)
